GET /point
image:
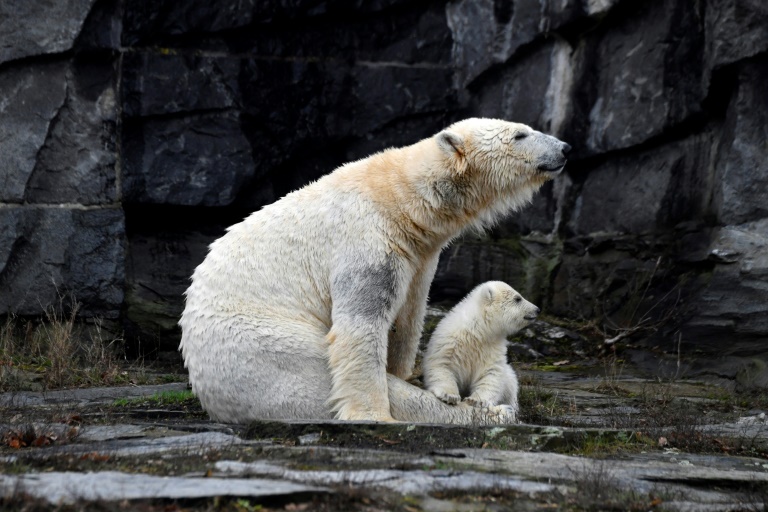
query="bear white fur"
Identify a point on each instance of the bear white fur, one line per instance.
(313, 306)
(467, 354)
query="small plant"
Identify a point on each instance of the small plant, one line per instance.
(539, 406)
(602, 444)
(242, 505)
(599, 490)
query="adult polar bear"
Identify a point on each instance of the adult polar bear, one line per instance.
(313, 306)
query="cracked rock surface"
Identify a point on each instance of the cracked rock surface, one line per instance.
(137, 451)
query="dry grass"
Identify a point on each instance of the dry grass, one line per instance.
(598, 490)
(539, 405)
(59, 351)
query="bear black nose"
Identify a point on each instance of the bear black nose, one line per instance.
(566, 148)
(537, 311)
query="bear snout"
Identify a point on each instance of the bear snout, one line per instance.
(566, 148)
(533, 314)
(555, 163)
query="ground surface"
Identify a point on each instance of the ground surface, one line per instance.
(597, 438)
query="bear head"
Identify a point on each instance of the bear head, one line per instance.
(494, 166)
(504, 310)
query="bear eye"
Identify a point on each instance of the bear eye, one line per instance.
(520, 135)
(518, 299)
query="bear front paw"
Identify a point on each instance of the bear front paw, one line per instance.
(448, 398)
(477, 402)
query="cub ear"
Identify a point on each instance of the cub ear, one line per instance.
(451, 142)
(488, 295)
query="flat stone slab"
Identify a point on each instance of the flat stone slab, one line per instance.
(186, 444)
(100, 433)
(693, 481)
(70, 488)
(415, 482)
(691, 484)
(424, 461)
(84, 396)
(545, 465)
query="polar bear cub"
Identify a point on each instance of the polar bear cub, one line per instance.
(467, 354)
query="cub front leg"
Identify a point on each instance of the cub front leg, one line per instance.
(448, 394)
(489, 389)
(365, 297)
(404, 339)
(512, 388)
(441, 381)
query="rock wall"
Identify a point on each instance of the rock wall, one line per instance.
(132, 133)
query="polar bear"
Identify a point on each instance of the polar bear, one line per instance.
(467, 354)
(313, 306)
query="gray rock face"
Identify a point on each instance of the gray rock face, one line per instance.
(33, 28)
(742, 191)
(735, 29)
(486, 33)
(647, 191)
(201, 160)
(550, 70)
(199, 112)
(77, 162)
(32, 99)
(57, 139)
(50, 252)
(521, 261)
(154, 84)
(159, 266)
(646, 74)
(736, 298)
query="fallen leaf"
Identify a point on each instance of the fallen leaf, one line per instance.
(561, 363)
(95, 457)
(41, 441)
(73, 419)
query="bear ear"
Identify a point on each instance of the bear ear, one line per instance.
(451, 142)
(452, 145)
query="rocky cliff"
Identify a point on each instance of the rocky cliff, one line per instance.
(133, 132)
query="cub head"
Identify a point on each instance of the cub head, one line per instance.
(499, 164)
(504, 309)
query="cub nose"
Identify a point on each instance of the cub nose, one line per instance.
(566, 148)
(536, 311)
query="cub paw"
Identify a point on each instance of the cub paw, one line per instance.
(448, 398)
(505, 413)
(476, 402)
